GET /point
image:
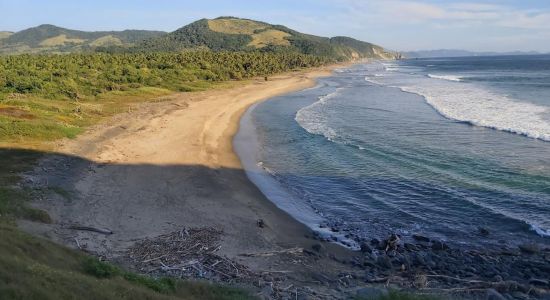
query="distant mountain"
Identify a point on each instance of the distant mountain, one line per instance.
(53, 39)
(459, 53)
(5, 34)
(235, 34)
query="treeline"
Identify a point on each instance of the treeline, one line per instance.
(76, 76)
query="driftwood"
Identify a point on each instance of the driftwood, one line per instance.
(87, 228)
(187, 253)
(272, 253)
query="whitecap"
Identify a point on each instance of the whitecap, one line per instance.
(447, 77)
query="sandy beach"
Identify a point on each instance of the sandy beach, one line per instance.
(166, 166)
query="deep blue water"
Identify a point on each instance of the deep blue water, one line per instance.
(438, 147)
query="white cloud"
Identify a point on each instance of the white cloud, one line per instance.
(463, 13)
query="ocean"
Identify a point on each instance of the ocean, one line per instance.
(450, 148)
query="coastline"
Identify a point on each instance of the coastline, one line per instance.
(171, 165)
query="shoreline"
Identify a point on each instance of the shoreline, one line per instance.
(171, 165)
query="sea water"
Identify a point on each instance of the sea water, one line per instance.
(438, 147)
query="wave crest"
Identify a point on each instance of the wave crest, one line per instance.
(455, 78)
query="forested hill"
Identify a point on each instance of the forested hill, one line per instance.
(221, 34)
(53, 39)
(234, 34)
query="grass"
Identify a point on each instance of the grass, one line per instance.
(32, 268)
(235, 26)
(269, 37)
(106, 41)
(60, 40)
(29, 121)
(401, 295)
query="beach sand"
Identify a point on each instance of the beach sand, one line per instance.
(170, 165)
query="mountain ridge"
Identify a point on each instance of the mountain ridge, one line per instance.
(47, 38)
(239, 34)
(219, 34)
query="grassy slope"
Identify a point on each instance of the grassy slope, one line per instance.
(32, 268)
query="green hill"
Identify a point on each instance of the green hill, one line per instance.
(234, 34)
(53, 39)
(221, 34)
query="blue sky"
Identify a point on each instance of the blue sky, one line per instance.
(396, 24)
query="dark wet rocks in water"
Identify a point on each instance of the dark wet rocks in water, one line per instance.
(529, 248)
(439, 245)
(421, 238)
(483, 231)
(517, 273)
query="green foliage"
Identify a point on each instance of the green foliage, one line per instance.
(161, 285)
(33, 268)
(77, 76)
(199, 35)
(402, 295)
(196, 35)
(100, 269)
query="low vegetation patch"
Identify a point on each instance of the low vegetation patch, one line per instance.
(32, 268)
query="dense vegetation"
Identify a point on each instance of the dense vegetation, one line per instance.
(78, 76)
(232, 34)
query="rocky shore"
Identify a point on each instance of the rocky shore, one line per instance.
(423, 264)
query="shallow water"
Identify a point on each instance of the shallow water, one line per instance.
(437, 147)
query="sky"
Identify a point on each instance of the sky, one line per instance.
(489, 25)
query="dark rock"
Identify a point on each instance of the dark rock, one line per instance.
(492, 294)
(418, 260)
(439, 245)
(369, 264)
(365, 248)
(372, 293)
(384, 261)
(260, 223)
(519, 295)
(375, 242)
(420, 238)
(529, 248)
(392, 242)
(317, 247)
(483, 231)
(411, 247)
(538, 282)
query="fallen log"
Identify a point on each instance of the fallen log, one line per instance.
(93, 229)
(272, 253)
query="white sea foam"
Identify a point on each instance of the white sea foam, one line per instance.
(446, 77)
(481, 107)
(540, 231)
(313, 118)
(476, 105)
